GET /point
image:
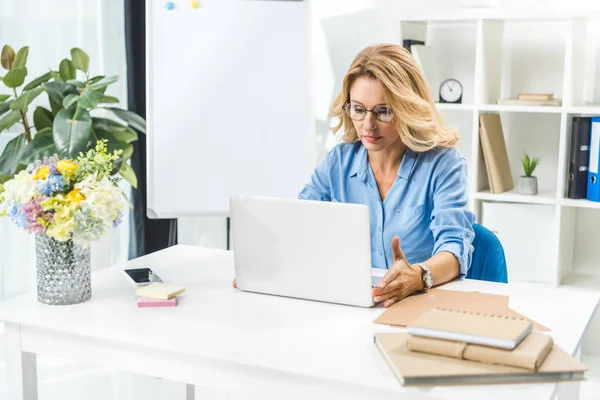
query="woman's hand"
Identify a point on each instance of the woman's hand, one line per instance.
(234, 284)
(401, 280)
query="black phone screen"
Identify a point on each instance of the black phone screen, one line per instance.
(142, 275)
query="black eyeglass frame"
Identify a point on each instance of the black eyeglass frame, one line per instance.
(346, 111)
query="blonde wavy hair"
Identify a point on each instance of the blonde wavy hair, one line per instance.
(416, 119)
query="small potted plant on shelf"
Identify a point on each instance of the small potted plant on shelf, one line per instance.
(527, 184)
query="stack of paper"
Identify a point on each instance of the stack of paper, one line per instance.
(158, 295)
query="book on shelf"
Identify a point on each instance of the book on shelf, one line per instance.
(520, 102)
(495, 154)
(579, 156)
(535, 96)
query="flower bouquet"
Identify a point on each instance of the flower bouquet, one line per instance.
(67, 204)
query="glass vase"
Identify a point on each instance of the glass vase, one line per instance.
(63, 271)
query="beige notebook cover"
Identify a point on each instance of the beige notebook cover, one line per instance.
(530, 353)
(495, 153)
(413, 368)
(487, 329)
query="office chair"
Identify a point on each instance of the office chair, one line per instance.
(488, 262)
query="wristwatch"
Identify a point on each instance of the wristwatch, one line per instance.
(427, 277)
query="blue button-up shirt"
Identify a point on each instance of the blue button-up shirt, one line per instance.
(426, 206)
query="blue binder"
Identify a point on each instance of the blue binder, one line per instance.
(593, 187)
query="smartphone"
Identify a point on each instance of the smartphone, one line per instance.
(141, 276)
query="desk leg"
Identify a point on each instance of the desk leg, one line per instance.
(570, 390)
(190, 392)
(21, 367)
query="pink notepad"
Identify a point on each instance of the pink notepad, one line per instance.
(149, 302)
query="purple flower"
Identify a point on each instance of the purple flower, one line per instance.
(32, 210)
(49, 161)
(118, 219)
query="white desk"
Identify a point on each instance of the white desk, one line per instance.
(251, 345)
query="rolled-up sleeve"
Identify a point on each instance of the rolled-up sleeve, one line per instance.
(451, 220)
(318, 188)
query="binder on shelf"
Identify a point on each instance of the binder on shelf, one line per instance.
(593, 186)
(579, 156)
(495, 154)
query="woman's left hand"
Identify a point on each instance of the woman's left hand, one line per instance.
(401, 280)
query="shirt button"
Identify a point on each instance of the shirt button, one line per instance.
(378, 229)
(380, 253)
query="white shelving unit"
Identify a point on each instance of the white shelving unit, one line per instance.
(498, 57)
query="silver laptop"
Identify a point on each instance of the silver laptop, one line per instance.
(303, 249)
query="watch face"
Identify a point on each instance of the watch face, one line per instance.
(429, 279)
(450, 91)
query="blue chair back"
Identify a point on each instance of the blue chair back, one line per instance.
(488, 262)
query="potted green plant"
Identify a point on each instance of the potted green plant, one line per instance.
(73, 123)
(527, 184)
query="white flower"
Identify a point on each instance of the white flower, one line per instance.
(20, 189)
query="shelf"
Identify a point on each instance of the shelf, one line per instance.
(456, 107)
(581, 203)
(587, 110)
(578, 280)
(516, 108)
(511, 196)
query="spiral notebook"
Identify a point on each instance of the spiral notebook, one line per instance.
(492, 330)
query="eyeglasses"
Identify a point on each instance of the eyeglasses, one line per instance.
(358, 112)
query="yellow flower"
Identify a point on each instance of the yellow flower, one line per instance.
(66, 166)
(42, 173)
(75, 196)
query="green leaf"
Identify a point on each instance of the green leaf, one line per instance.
(41, 146)
(7, 57)
(9, 120)
(4, 97)
(127, 152)
(38, 81)
(66, 70)
(125, 135)
(56, 76)
(21, 57)
(121, 133)
(4, 107)
(104, 82)
(81, 61)
(11, 157)
(44, 130)
(112, 144)
(95, 79)
(89, 99)
(108, 99)
(15, 77)
(76, 83)
(70, 100)
(25, 99)
(72, 130)
(57, 92)
(131, 118)
(128, 174)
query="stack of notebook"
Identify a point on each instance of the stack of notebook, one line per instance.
(158, 294)
(446, 346)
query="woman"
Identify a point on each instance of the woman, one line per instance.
(400, 160)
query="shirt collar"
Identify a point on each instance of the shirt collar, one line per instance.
(407, 165)
(360, 164)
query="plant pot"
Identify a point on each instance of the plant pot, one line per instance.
(63, 271)
(527, 185)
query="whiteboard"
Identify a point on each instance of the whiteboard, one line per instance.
(228, 108)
